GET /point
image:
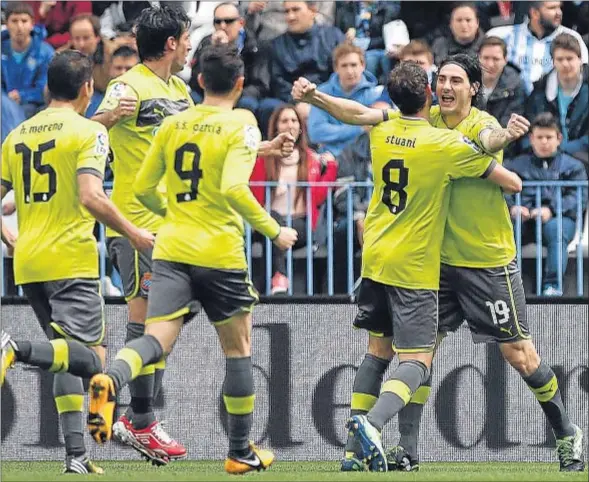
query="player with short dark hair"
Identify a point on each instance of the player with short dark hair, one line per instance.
(55, 163)
(206, 156)
(480, 281)
(134, 106)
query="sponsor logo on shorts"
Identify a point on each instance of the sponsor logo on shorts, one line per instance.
(146, 282)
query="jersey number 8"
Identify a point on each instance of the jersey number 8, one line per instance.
(194, 174)
(398, 187)
(42, 169)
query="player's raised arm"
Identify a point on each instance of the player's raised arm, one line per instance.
(90, 170)
(494, 140)
(237, 170)
(151, 172)
(344, 110)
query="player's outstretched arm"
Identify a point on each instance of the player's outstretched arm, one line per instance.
(509, 181)
(94, 199)
(344, 110)
(281, 146)
(494, 140)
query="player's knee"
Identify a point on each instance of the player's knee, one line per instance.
(381, 347)
(522, 356)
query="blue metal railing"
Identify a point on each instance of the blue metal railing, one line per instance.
(316, 250)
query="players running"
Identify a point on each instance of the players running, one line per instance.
(134, 106)
(480, 281)
(55, 163)
(206, 156)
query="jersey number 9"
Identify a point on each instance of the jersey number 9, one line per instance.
(398, 187)
(42, 169)
(194, 174)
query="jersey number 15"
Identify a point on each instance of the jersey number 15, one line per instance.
(43, 169)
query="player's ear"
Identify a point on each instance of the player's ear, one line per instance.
(201, 81)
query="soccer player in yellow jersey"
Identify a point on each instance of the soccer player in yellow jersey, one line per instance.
(55, 163)
(480, 281)
(206, 156)
(413, 165)
(134, 106)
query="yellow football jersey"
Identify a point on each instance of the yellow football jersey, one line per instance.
(41, 160)
(131, 137)
(201, 154)
(413, 165)
(479, 232)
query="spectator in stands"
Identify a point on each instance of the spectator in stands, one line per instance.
(230, 29)
(118, 13)
(548, 163)
(503, 91)
(56, 17)
(267, 20)
(416, 51)
(25, 59)
(303, 51)
(354, 165)
(363, 23)
(124, 58)
(351, 81)
(528, 43)
(302, 165)
(564, 92)
(466, 36)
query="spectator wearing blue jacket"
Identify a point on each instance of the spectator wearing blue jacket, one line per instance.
(350, 80)
(564, 92)
(548, 163)
(25, 58)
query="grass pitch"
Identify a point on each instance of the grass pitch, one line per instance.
(291, 471)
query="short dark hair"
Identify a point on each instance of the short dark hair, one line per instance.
(567, 42)
(68, 72)
(18, 8)
(545, 120)
(471, 5)
(221, 67)
(472, 66)
(125, 51)
(493, 41)
(407, 87)
(93, 19)
(155, 26)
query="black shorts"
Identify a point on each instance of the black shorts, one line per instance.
(133, 266)
(73, 308)
(180, 289)
(409, 316)
(491, 300)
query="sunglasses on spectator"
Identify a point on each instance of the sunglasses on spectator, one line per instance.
(228, 21)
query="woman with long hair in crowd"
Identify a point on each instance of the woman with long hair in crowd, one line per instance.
(303, 165)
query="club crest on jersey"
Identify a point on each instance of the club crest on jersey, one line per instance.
(468, 142)
(101, 148)
(146, 282)
(251, 137)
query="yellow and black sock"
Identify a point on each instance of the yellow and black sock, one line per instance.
(397, 391)
(544, 386)
(133, 358)
(68, 392)
(140, 410)
(367, 385)
(239, 398)
(59, 356)
(410, 417)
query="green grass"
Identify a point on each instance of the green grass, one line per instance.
(287, 471)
